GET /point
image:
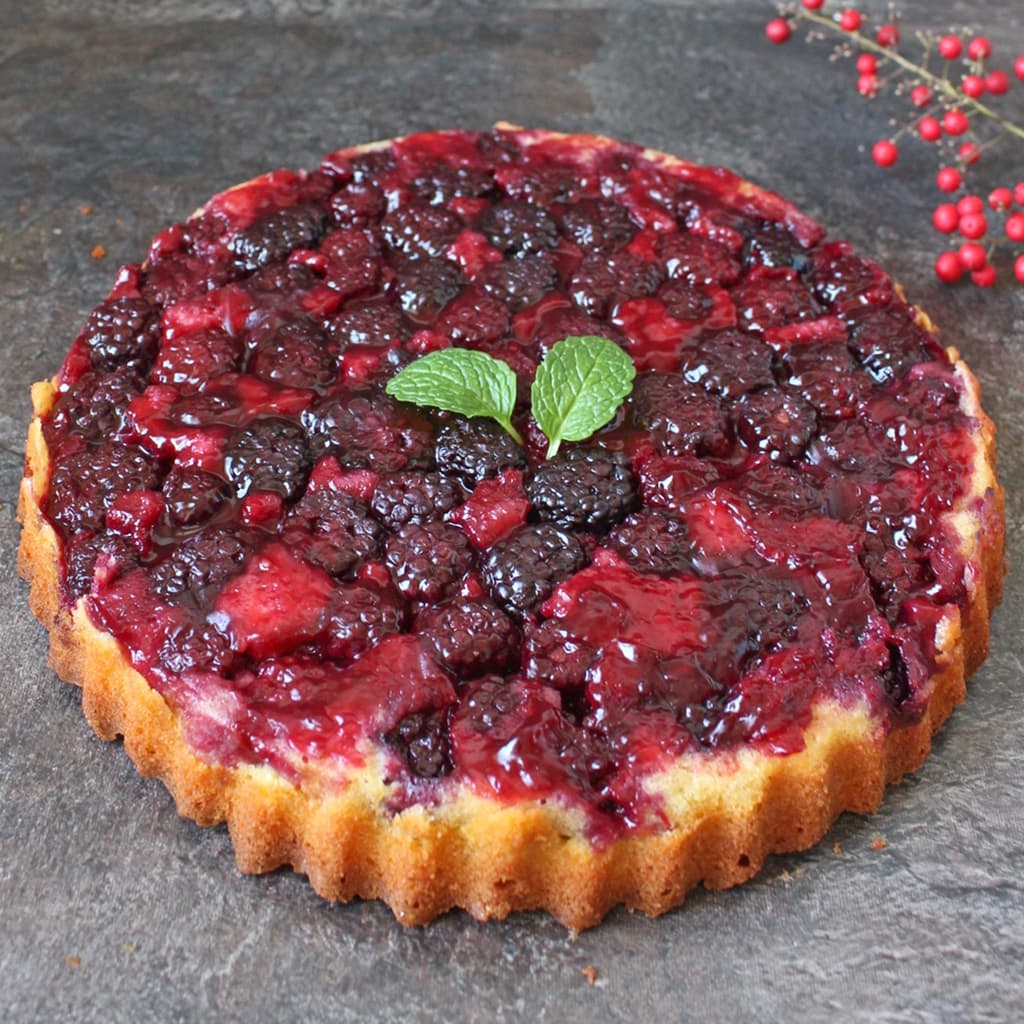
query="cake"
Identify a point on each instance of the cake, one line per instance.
(423, 658)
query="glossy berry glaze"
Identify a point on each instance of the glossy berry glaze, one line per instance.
(312, 573)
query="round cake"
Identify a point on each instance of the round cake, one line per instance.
(449, 660)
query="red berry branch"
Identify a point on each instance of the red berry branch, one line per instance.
(948, 112)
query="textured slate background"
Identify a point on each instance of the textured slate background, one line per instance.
(143, 111)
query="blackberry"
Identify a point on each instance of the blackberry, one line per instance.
(414, 497)
(555, 656)
(367, 324)
(896, 679)
(359, 618)
(681, 418)
(369, 429)
(844, 280)
(827, 376)
(583, 489)
(201, 565)
(769, 486)
(519, 282)
(334, 530)
(109, 552)
(85, 483)
(281, 277)
(94, 407)
(420, 230)
(427, 561)
(684, 301)
(768, 608)
(542, 186)
(776, 422)
(275, 236)
(697, 260)
(887, 341)
(443, 183)
(176, 276)
(572, 322)
(425, 286)
(352, 244)
(771, 245)
(654, 542)
(188, 361)
(271, 454)
(422, 740)
(292, 353)
(192, 648)
(602, 282)
(771, 297)
(597, 225)
(729, 363)
(518, 228)
(193, 496)
(476, 449)
(474, 319)
(522, 569)
(472, 637)
(372, 167)
(894, 574)
(122, 332)
(356, 206)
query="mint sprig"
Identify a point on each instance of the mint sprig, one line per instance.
(460, 380)
(580, 384)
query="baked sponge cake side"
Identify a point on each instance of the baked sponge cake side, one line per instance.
(406, 653)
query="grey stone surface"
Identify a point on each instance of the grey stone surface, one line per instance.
(142, 111)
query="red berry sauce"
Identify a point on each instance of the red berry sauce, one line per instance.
(311, 572)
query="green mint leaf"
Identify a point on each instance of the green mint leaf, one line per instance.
(460, 380)
(579, 386)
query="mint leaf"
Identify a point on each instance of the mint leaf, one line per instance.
(579, 386)
(460, 380)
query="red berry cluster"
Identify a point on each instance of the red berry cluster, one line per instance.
(948, 111)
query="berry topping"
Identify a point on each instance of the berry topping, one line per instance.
(270, 454)
(602, 282)
(475, 449)
(654, 542)
(518, 282)
(122, 332)
(369, 429)
(426, 286)
(333, 530)
(94, 407)
(472, 637)
(414, 497)
(368, 324)
(583, 489)
(85, 483)
(596, 225)
(422, 740)
(359, 617)
(202, 564)
(428, 560)
(775, 422)
(729, 363)
(273, 237)
(522, 569)
(519, 229)
(188, 361)
(420, 230)
(681, 418)
(292, 353)
(193, 496)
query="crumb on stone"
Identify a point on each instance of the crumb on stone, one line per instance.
(99, 252)
(85, 210)
(878, 843)
(837, 849)
(590, 973)
(74, 962)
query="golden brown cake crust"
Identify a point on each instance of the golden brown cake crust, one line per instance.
(492, 857)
